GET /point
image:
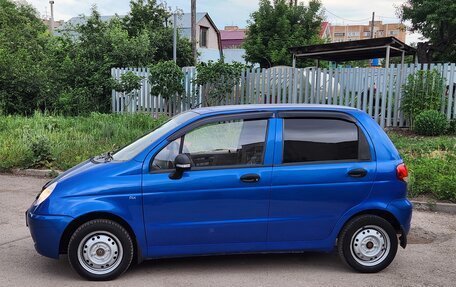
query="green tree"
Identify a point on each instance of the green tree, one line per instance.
(23, 39)
(277, 26)
(436, 20)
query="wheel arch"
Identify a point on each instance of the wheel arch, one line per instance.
(75, 223)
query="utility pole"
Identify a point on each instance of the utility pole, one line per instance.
(51, 21)
(175, 36)
(193, 37)
(372, 25)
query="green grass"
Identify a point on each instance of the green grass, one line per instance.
(431, 162)
(61, 142)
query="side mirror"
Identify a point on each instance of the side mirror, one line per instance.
(182, 162)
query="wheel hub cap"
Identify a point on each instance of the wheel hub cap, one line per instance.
(370, 245)
(100, 252)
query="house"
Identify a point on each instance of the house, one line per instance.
(342, 33)
(208, 35)
(232, 37)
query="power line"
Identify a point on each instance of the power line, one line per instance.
(345, 19)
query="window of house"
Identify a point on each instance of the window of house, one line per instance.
(237, 142)
(394, 32)
(311, 140)
(203, 36)
(339, 34)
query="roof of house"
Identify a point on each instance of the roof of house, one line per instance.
(323, 27)
(184, 20)
(232, 34)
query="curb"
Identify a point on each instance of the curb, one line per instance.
(46, 173)
(434, 206)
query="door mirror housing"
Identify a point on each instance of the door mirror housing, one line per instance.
(182, 163)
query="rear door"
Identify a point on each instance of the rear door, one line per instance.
(323, 166)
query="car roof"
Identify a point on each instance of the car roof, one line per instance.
(271, 107)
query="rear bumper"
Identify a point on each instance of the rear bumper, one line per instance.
(46, 231)
(402, 210)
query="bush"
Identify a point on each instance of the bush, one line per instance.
(430, 123)
(422, 91)
(452, 127)
(431, 162)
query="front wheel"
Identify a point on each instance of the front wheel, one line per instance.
(100, 250)
(368, 243)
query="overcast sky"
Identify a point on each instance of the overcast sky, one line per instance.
(234, 12)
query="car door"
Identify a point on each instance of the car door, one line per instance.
(221, 204)
(323, 166)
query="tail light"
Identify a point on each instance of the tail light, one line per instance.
(402, 172)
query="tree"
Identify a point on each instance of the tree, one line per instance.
(23, 39)
(277, 26)
(437, 22)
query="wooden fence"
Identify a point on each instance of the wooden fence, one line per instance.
(374, 90)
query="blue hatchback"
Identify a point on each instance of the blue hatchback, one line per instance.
(232, 179)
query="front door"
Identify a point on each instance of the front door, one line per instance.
(221, 204)
(322, 168)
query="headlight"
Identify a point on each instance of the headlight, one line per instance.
(45, 193)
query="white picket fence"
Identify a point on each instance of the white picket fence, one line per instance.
(339, 86)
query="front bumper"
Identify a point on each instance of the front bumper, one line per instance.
(46, 231)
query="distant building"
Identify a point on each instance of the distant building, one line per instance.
(208, 35)
(325, 31)
(342, 33)
(232, 37)
(57, 23)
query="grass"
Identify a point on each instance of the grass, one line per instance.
(431, 162)
(61, 142)
(58, 142)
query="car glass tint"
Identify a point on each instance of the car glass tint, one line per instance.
(307, 140)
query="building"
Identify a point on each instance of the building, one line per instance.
(208, 35)
(57, 23)
(232, 37)
(342, 33)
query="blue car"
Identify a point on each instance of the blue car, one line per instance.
(232, 179)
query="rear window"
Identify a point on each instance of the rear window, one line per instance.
(312, 140)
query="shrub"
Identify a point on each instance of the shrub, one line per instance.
(166, 79)
(41, 152)
(452, 127)
(430, 123)
(422, 91)
(218, 79)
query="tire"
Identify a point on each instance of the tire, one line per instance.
(100, 250)
(367, 243)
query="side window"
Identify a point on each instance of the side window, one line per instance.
(237, 142)
(308, 140)
(165, 158)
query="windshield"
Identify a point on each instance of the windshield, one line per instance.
(138, 146)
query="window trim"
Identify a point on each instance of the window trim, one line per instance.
(218, 118)
(322, 115)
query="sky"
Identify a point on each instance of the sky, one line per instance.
(234, 12)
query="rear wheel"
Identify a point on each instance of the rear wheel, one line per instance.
(368, 243)
(100, 250)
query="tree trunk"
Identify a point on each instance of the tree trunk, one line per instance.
(424, 52)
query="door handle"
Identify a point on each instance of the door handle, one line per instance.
(250, 177)
(358, 172)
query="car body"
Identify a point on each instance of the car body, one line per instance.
(291, 180)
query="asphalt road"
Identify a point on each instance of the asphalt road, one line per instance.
(429, 260)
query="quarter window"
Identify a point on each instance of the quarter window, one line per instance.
(310, 140)
(238, 142)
